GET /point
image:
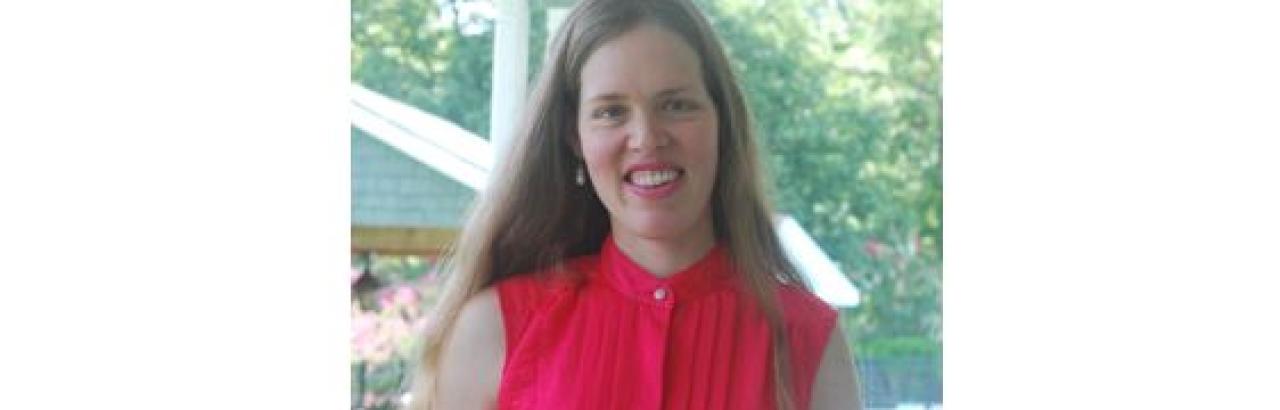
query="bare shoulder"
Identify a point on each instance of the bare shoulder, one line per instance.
(481, 311)
(836, 385)
(471, 362)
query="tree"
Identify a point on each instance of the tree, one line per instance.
(433, 55)
(848, 101)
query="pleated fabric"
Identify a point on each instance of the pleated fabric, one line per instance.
(614, 336)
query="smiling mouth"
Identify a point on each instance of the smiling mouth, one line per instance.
(653, 178)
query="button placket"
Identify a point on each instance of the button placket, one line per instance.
(664, 303)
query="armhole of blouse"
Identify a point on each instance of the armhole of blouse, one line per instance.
(811, 322)
(521, 295)
(516, 298)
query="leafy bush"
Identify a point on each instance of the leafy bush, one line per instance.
(386, 323)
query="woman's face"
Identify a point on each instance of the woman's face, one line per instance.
(647, 132)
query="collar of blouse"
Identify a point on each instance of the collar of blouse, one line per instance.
(711, 273)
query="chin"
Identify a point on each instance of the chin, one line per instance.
(664, 227)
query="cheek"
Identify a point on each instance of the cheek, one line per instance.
(701, 142)
(599, 150)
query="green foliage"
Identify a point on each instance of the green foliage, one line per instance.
(847, 99)
(900, 346)
(426, 54)
(393, 268)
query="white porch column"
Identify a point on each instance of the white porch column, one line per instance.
(555, 17)
(510, 72)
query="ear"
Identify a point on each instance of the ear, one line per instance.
(570, 126)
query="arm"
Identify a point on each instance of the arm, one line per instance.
(836, 385)
(472, 357)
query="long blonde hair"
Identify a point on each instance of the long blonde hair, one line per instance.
(533, 216)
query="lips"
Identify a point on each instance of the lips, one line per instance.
(653, 180)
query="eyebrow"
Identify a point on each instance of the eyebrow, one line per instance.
(618, 96)
(672, 91)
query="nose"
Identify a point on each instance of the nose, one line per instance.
(647, 133)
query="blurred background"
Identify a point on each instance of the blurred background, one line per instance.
(847, 98)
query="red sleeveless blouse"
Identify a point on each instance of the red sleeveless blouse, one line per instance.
(622, 338)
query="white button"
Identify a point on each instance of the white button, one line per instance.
(660, 294)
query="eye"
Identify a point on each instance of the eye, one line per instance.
(609, 113)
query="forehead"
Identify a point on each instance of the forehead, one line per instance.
(644, 60)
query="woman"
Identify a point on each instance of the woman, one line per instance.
(625, 255)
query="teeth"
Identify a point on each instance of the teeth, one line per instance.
(653, 178)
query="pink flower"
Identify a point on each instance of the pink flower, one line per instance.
(405, 295)
(419, 325)
(363, 322)
(380, 352)
(874, 248)
(399, 296)
(355, 275)
(365, 337)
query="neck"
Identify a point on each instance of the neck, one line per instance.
(664, 257)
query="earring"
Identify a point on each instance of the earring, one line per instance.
(579, 178)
